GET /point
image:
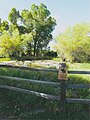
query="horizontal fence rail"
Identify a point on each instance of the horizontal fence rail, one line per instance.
(46, 96)
(78, 100)
(40, 69)
(76, 86)
(79, 72)
(43, 95)
(29, 68)
(56, 84)
(31, 81)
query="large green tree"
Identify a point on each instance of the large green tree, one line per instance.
(27, 33)
(36, 21)
(74, 43)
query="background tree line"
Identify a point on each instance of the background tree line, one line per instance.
(27, 33)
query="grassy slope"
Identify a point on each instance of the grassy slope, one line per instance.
(24, 106)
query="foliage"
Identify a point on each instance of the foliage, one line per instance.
(39, 21)
(3, 26)
(73, 45)
(4, 59)
(14, 45)
(31, 58)
(51, 54)
(36, 22)
(28, 33)
(13, 16)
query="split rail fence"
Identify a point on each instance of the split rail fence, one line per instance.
(62, 84)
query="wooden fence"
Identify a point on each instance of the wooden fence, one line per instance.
(62, 84)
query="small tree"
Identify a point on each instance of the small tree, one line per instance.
(14, 45)
(74, 44)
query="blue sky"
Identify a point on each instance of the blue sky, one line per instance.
(66, 12)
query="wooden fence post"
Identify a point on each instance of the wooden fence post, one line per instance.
(62, 76)
(62, 91)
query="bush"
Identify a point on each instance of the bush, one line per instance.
(51, 54)
(36, 58)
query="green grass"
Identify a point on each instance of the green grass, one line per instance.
(79, 66)
(57, 59)
(4, 59)
(25, 106)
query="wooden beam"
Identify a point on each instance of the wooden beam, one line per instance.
(56, 84)
(76, 86)
(46, 96)
(78, 72)
(40, 69)
(31, 81)
(78, 100)
(43, 95)
(28, 68)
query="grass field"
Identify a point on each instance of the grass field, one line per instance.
(21, 106)
(79, 66)
(4, 59)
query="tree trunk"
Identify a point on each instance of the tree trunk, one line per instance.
(34, 47)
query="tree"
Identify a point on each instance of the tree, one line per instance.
(36, 21)
(13, 16)
(10, 45)
(29, 31)
(73, 45)
(14, 45)
(3, 26)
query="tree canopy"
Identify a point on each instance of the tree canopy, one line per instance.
(30, 30)
(74, 43)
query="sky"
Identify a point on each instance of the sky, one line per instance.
(66, 12)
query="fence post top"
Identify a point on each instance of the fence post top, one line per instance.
(62, 75)
(62, 65)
